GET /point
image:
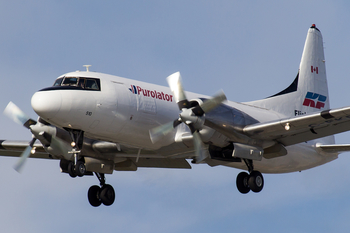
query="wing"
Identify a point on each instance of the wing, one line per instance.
(298, 129)
(127, 157)
(15, 149)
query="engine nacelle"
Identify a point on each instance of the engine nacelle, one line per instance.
(56, 141)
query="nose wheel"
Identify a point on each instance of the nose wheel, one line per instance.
(77, 170)
(103, 194)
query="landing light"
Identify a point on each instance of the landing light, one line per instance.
(32, 151)
(287, 126)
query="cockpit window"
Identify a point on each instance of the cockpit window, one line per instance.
(81, 82)
(92, 84)
(70, 81)
(58, 82)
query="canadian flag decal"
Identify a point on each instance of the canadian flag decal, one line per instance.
(314, 69)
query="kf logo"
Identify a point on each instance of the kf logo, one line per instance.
(314, 100)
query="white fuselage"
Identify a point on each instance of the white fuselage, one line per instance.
(124, 111)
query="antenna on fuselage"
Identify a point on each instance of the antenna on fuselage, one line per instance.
(87, 67)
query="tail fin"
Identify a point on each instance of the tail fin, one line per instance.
(309, 91)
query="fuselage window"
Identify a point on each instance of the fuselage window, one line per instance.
(58, 82)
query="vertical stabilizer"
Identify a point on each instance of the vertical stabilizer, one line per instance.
(312, 74)
(309, 91)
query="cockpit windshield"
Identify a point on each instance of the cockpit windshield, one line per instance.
(58, 82)
(82, 83)
(70, 81)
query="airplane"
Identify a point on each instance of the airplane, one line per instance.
(96, 123)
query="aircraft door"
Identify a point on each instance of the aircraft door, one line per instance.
(121, 112)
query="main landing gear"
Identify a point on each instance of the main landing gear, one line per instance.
(97, 195)
(101, 194)
(253, 181)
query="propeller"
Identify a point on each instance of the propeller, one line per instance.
(18, 116)
(48, 135)
(193, 117)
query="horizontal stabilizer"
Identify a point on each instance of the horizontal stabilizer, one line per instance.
(334, 148)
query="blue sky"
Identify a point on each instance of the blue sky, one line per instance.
(250, 49)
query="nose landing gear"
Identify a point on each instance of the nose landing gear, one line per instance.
(77, 167)
(253, 181)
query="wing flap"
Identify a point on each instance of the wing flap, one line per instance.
(163, 163)
(131, 164)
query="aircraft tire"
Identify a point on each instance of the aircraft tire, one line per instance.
(242, 182)
(107, 195)
(80, 169)
(71, 170)
(93, 196)
(256, 181)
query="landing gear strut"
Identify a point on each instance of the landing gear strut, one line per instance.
(253, 181)
(76, 168)
(101, 194)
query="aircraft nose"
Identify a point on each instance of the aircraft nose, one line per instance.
(46, 103)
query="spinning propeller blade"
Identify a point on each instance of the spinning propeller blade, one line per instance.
(23, 158)
(199, 147)
(212, 103)
(158, 132)
(18, 116)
